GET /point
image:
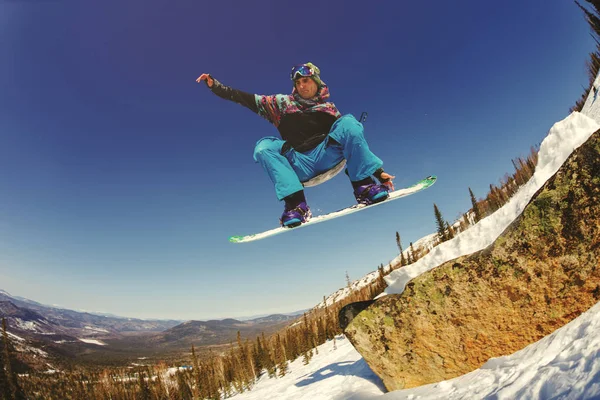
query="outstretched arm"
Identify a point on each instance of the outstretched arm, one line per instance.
(225, 92)
(269, 107)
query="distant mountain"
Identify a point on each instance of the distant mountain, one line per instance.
(23, 319)
(291, 314)
(89, 322)
(214, 332)
(56, 333)
(47, 335)
(277, 318)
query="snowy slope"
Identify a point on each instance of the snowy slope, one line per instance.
(563, 138)
(565, 364)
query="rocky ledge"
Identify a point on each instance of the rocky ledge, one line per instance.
(540, 274)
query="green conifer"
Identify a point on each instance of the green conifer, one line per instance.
(440, 223)
(280, 357)
(258, 357)
(399, 243)
(475, 206)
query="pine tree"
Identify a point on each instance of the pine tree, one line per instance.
(13, 383)
(258, 357)
(246, 367)
(592, 18)
(348, 283)
(441, 224)
(210, 377)
(196, 372)
(5, 392)
(464, 224)
(280, 357)
(304, 345)
(593, 63)
(399, 243)
(493, 198)
(144, 393)
(269, 361)
(380, 278)
(413, 254)
(321, 330)
(475, 206)
(450, 230)
(532, 160)
(183, 388)
(160, 392)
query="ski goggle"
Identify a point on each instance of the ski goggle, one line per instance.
(300, 71)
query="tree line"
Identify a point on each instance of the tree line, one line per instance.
(214, 375)
(497, 196)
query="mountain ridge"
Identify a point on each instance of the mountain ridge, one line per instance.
(69, 333)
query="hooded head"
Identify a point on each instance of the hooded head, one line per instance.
(309, 70)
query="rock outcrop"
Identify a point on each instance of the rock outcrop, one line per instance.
(540, 274)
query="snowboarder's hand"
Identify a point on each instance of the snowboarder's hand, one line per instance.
(207, 78)
(387, 178)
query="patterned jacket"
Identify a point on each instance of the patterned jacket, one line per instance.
(303, 124)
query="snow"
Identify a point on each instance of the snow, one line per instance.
(27, 325)
(336, 372)
(37, 351)
(93, 341)
(591, 107)
(15, 337)
(563, 138)
(21, 345)
(92, 328)
(563, 365)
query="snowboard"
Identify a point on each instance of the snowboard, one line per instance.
(396, 194)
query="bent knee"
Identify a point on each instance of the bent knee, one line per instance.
(267, 146)
(352, 124)
(347, 126)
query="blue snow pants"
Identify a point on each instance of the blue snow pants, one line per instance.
(288, 171)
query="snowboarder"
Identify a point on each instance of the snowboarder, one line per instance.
(315, 137)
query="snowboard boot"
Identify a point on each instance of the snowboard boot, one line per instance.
(371, 193)
(296, 216)
(296, 212)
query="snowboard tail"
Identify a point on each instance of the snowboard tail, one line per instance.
(396, 194)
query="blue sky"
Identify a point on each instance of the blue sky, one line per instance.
(121, 178)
